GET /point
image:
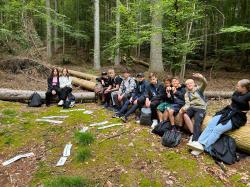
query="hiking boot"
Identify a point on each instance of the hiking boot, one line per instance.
(124, 119)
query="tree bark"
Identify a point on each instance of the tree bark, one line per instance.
(55, 27)
(49, 49)
(117, 51)
(97, 64)
(81, 75)
(24, 95)
(156, 64)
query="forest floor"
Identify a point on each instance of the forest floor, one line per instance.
(133, 156)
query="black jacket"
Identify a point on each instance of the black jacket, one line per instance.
(155, 92)
(50, 86)
(165, 97)
(238, 117)
(179, 95)
(140, 89)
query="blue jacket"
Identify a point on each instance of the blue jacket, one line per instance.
(155, 92)
(140, 89)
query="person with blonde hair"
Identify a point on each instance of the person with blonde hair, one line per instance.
(231, 117)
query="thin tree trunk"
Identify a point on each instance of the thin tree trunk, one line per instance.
(117, 51)
(55, 27)
(78, 26)
(97, 64)
(205, 41)
(156, 64)
(49, 49)
(63, 37)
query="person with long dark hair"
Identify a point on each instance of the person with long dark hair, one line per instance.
(53, 86)
(65, 83)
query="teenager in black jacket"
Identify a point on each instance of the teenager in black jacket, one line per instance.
(53, 86)
(155, 92)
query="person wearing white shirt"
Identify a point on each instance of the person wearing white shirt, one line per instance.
(65, 85)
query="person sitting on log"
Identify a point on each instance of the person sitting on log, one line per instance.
(168, 100)
(65, 83)
(230, 118)
(195, 106)
(125, 91)
(178, 91)
(155, 92)
(114, 85)
(53, 86)
(137, 99)
(101, 86)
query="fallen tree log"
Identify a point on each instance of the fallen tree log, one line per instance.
(81, 75)
(218, 94)
(241, 136)
(24, 95)
(138, 61)
(83, 83)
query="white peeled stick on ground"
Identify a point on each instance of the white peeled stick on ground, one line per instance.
(27, 155)
(73, 110)
(84, 129)
(66, 154)
(53, 117)
(49, 121)
(109, 126)
(88, 112)
(98, 124)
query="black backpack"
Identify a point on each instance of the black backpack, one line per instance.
(171, 138)
(224, 150)
(161, 128)
(35, 100)
(67, 102)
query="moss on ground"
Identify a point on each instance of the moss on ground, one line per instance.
(135, 158)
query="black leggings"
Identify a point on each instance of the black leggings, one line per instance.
(49, 94)
(64, 93)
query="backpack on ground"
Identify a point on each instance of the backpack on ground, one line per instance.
(224, 150)
(145, 118)
(35, 100)
(161, 128)
(171, 138)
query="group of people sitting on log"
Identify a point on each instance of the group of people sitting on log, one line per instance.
(174, 100)
(61, 86)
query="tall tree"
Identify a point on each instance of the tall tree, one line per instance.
(55, 27)
(117, 51)
(49, 49)
(97, 64)
(156, 64)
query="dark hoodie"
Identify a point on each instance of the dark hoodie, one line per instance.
(179, 95)
(155, 92)
(140, 89)
(52, 87)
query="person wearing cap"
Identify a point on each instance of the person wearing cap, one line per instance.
(125, 91)
(102, 85)
(137, 99)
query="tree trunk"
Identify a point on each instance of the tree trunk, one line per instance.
(117, 51)
(49, 49)
(205, 41)
(156, 64)
(97, 64)
(81, 75)
(88, 85)
(55, 27)
(24, 95)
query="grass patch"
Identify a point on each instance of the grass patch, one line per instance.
(85, 138)
(9, 112)
(83, 154)
(68, 181)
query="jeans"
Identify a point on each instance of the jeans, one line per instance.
(213, 132)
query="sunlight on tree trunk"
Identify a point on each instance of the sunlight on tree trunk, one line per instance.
(97, 64)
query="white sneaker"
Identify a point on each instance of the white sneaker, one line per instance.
(137, 121)
(196, 153)
(60, 103)
(155, 122)
(196, 146)
(72, 104)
